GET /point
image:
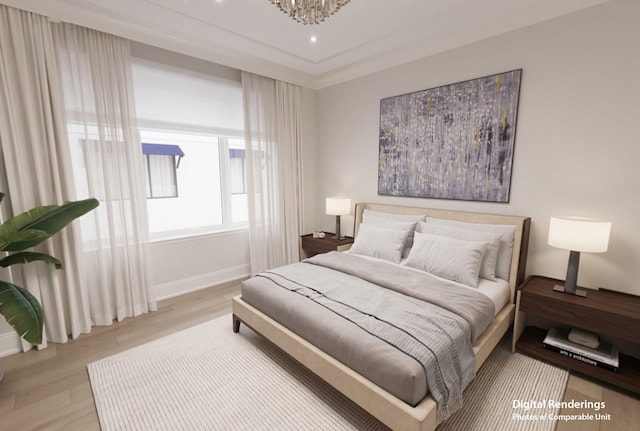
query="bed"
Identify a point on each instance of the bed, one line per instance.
(289, 307)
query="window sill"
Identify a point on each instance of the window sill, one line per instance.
(194, 235)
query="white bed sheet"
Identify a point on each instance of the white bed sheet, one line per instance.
(497, 291)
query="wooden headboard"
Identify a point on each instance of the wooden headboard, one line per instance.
(520, 245)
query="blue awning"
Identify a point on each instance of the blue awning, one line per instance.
(236, 153)
(162, 149)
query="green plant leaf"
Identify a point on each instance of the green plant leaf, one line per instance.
(50, 219)
(28, 256)
(22, 311)
(7, 237)
(18, 223)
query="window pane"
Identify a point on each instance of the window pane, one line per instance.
(198, 205)
(236, 168)
(161, 176)
(238, 181)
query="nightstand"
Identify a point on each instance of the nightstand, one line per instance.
(310, 246)
(605, 312)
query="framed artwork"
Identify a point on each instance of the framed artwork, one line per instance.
(450, 142)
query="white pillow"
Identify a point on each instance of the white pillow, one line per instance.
(390, 223)
(488, 267)
(503, 264)
(450, 258)
(379, 242)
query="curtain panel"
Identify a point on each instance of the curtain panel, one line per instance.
(36, 158)
(62, 86)
(273, 155)
(100, 105)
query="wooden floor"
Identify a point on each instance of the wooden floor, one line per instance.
(621, 412)
(50, 390)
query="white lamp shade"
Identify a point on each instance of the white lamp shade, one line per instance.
(338, 206)
(579, 234)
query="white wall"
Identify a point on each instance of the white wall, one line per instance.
(188, 264)
(577, 148)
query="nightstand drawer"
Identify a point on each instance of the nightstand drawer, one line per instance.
(317, 247)
(604, 312)
(312, 246)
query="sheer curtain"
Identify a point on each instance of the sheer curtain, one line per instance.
(273, 157)
(98, 89)
(63, 85)
(36, 158)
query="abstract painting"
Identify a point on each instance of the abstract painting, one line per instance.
(451, 142)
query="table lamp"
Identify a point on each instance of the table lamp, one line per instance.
(338, 206)
(577, 234)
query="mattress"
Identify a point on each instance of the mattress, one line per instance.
(371, 357)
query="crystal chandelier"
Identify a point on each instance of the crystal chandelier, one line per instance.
(309, 11)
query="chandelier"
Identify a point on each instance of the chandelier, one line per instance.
(309, 11)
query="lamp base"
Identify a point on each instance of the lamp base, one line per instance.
(337, 236)
(578, 292)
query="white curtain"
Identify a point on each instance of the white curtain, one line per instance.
(100, 105)
(105, 275)
(274, 182)
(36, 156)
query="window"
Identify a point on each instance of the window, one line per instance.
(237, 181)
(160, 167)
(237, 171)
(200, 115)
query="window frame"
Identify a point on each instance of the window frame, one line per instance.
(225, 187)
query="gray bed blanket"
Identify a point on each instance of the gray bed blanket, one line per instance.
(398, 306)
(475, 307)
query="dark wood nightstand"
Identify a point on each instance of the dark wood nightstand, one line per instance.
(310, 246)
(605, 312)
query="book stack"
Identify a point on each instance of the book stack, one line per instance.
(604, 355)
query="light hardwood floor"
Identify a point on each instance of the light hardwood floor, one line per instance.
(50, 389)
(621, 412)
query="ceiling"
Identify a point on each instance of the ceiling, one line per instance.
(363, 37)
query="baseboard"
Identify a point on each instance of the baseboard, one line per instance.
(192, 284)
(9, 344)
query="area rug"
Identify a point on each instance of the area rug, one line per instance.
(208, 378)
(510, 392)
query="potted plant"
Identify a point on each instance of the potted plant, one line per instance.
(17, 305)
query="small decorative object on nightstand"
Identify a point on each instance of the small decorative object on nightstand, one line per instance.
(607, 313)
(311, 246)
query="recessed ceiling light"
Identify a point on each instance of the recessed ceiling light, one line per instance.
(313, 39)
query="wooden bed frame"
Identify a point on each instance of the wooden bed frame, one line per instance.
(390, 410)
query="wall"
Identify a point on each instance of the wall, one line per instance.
(188, 264)
(576, 150)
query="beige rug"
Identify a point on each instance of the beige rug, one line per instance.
(208, 378)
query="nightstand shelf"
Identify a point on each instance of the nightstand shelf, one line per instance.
(310, 246)
(627, 376)
(607, 313)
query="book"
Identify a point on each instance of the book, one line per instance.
(605, 353)
(584, 359)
